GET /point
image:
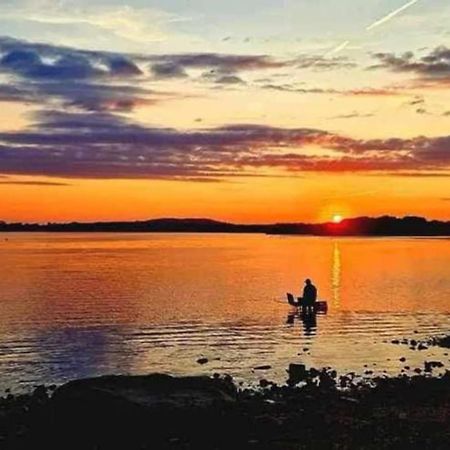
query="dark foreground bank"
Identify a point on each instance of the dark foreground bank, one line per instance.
(161, 412)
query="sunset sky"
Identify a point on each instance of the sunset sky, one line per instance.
(239, 110)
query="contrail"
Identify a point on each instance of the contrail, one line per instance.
(391, 15)
(337, 49)
(376, 24)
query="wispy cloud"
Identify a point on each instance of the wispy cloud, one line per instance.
(34, 183)
(142, 25)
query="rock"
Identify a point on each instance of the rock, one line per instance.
(202, 361)
(263, 367)
(430, 365)
(443, 342)
(297, 373)
(402, 359)
(117, 411)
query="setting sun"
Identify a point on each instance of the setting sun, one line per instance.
(337, 218)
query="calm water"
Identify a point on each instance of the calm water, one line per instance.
(75, 305)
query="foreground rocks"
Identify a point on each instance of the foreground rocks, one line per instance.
(162, 412)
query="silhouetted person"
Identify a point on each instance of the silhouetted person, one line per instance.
(309, 296)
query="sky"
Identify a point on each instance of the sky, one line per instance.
(251, 111)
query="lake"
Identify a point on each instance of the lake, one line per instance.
(77, 305)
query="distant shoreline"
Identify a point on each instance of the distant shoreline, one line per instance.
(385, 226)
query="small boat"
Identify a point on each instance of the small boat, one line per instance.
(319, 306)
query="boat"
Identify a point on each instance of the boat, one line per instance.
(319, 306)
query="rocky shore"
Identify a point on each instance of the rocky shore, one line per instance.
(316, 409)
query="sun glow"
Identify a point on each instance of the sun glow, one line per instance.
(337, 218)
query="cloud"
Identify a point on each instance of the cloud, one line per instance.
(325, 62)
(45, 62)
(361, 92)
(86, 96)
(421, 111)
(139, 25)
(94, 81)
(433, 68)
(34, 183)
(101, 145)
(108, 81)
(222, 62)
(353, 115)
(168, 70)
(419, 174)
(286, 87)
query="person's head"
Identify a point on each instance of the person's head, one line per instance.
(308, 281)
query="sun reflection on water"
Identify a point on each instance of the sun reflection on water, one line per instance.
(336, 276)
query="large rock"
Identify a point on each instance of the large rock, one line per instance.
(117, 411)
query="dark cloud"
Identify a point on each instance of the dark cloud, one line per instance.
(298, 90)
(168, 70)
(229, 79)
(123, 67)
(87, 96)
(362, 92)
(40, 61)
(353, 115)
(34, 183)
(100, 145)
(68, 67)
(373, 92)
(222, 62)
(216, 77)
(433, 67)
(108, 81)
(417, 101)
(93, 81)
(221, 69)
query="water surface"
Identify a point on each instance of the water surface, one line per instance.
(75, 305)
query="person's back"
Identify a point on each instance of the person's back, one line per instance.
(309, 293)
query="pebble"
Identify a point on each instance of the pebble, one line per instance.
(262, 368)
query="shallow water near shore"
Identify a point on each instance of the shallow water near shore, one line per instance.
(79, 305)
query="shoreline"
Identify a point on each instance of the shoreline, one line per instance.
(314, 409)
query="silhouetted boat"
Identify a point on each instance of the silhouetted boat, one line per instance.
(319, 306)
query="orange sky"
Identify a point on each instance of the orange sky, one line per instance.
(315, 198)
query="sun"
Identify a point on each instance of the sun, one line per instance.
(337, 218)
